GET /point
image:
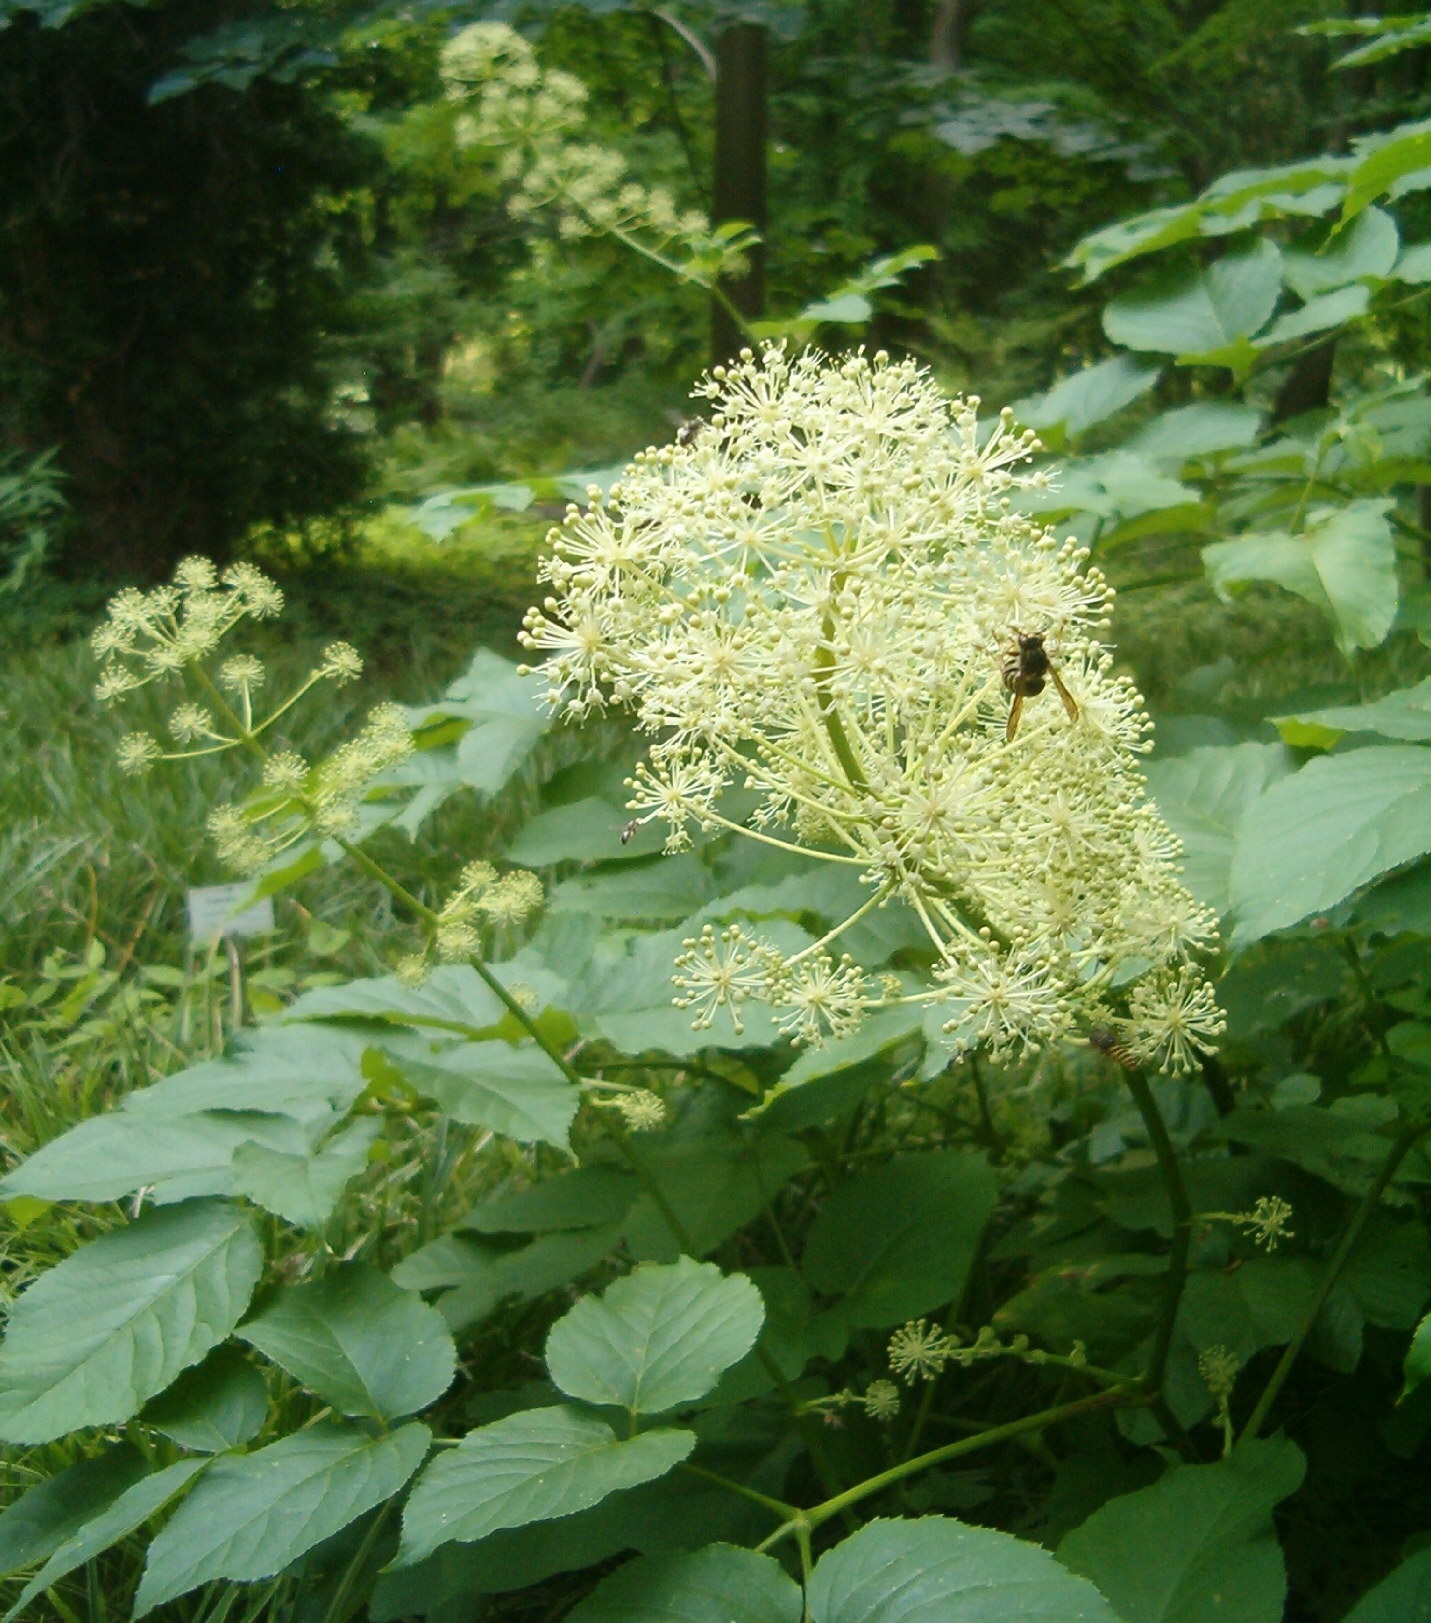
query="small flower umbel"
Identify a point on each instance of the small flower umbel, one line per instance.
(176, 632)
(814, 598)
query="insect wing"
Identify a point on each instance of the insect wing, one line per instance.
(1016, 709)
(1069, 702)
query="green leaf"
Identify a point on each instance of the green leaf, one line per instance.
(505, 717)
(46, 1516)
(1198, 1546)
(1417, 1368)
(1203, 319)
(938, 1570)
(92, 1340)
(454, 997)
(1404, 1597)
(1203, 797)
(1405, 714)
(220, 1404)
(288, 1069)
(1368, 249)
(129, 1511)
(662, 891)
(719, 1584)
(713, 1184)
(533, 1466)
(1414, 265)
(1345, 565)
(1197, 430)
(303, 1189)
(251, 1515)
(899, 1240)
(573, 1200)
(478, 1275)
(111, 1156)
(824, 1083)
(1089, 396)
(1322, 833)
(1327, 310)
(362, 1343)
(656, 1339)
(1388, 158)
(582, 831)
(521, 1093)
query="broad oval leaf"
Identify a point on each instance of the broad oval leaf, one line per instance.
(253, 1514)
(938, 1570)
(658, 1338)
(581, 1199)
(1198, 1546)
(1324, 832)
(362, 1343)
(452, 998)
(1089, 396)
(719, 1584)
(898, 1240)
(129, 1511)
(92, 1340)
(530, 1467)
(1405, 714)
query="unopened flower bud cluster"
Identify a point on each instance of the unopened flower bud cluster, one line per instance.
(535, 118)
(815, 596)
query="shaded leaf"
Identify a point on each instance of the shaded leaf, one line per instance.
(1403, 1597)
(719, 1584)
(574, 1200)
(1089, 396)
(92, 1340)
(1198, 1546)
(44, 1517)
(362, 1343)
(129, 1511)
(1405, 714)
(899, 1240)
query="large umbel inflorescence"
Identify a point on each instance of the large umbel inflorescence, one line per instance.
(814, 597)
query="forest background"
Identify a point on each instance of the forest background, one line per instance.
(261, 299)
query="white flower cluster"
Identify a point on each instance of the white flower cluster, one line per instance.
(818, 596)
(535, 119)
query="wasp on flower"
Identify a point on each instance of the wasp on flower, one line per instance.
(800, 600)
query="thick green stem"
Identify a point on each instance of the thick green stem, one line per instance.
(1400, 1147)
(1172, 1176)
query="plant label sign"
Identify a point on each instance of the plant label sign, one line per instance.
(211, 912)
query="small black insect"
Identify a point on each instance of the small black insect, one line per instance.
(628, 833)
(1027, 669)
(690, 427)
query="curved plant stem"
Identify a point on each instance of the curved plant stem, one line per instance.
(841, 1502)
(1177, 1193)
(1400, 1146)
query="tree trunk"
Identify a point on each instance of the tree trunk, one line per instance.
(738, 192)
